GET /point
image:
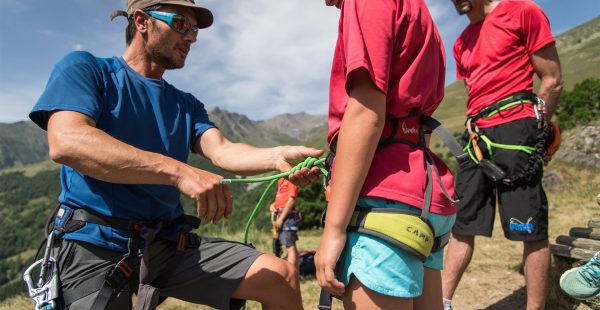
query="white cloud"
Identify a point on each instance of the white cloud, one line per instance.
(263, 59)
(78, 47)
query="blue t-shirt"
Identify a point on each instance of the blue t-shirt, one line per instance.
(146, 113)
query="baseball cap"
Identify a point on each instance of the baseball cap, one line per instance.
(203, 15)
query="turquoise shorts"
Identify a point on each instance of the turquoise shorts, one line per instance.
(383, 267)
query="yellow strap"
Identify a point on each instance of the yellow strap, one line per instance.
(407, 229)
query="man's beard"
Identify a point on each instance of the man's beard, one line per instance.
(462, 11)
(165, 59)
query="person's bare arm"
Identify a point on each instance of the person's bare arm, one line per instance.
(547, 67)
(75, 141)
(359, 134)
(244, 159)
(285, 212)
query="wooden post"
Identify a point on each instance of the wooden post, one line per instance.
(571, 252)
(594, 222)
(582, 243)
(581, 232)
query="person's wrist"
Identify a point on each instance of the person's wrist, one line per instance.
(279, 161)
(178, 173)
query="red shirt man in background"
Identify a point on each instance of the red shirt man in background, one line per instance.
(287, 218)
(498, 54)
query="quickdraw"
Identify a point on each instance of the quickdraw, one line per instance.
(44, 292)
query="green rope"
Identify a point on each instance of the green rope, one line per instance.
(506, 107)
(490, 145)
(309, 162)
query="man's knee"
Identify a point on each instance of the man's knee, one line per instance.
(466, 239)
(285, 272)
(535, 246)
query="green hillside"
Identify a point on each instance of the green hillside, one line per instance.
(21, 144)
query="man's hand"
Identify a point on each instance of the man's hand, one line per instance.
(213, 200)
(290, 156)
(279, 222)
(337, 3)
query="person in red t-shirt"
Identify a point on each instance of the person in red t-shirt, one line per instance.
(287, 218)
(388, 68)
(498, 54)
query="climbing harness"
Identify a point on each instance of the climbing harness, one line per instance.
(409, 231)
(402, 228)
(66, 219)
(543, 146)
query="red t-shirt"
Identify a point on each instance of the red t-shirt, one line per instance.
(398, 44)
(493, 57)
(285, 190)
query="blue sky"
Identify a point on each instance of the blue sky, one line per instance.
(260, 58)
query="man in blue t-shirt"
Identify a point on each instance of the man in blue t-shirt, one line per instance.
(123, 135)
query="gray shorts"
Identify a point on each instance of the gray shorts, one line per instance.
(205, 274)
(289, 232)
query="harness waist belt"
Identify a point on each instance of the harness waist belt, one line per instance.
(509, 102)
(76, 217)
(402, 228)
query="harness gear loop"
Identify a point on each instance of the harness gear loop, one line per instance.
(536, 153)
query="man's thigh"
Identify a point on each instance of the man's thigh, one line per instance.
(523, 204)
(477, 194)
(207, 273)
(82, 268)
(524, 210)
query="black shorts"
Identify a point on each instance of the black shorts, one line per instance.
(523, 205)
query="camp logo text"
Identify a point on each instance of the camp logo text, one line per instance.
(417, 233)
(409, 130)
(517, 225)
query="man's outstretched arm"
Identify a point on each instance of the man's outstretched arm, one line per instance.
(244, 159)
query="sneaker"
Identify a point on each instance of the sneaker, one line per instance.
(447, 304)
(583, 282)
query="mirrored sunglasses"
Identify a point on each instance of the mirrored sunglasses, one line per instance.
(176, 21)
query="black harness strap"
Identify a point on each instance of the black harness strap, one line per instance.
(498, 105)
(116, 278)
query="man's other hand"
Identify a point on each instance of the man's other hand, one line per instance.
(213, 200)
